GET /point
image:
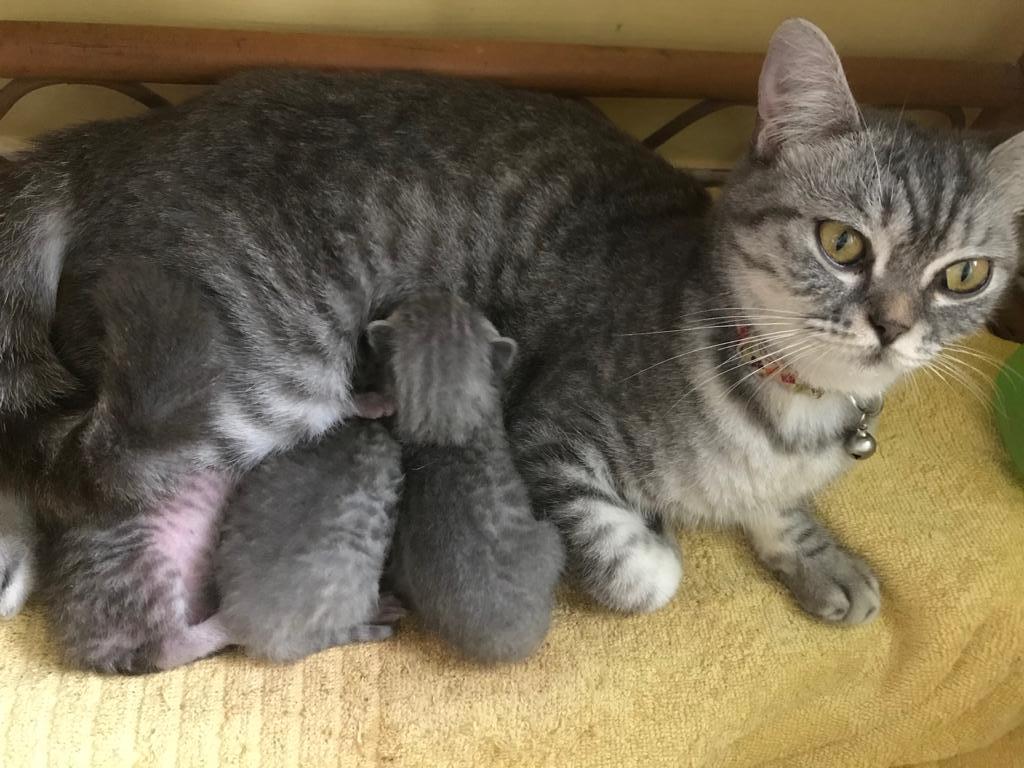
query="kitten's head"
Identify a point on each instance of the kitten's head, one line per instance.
(445, 363)
(859, 245)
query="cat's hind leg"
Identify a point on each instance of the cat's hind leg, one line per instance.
(623, 560)
(825, 579)
(17, 555)
(125, 597)
(617, 558)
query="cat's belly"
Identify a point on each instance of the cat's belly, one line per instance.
(729, 488)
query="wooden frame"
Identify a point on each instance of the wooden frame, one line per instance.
(38, 54)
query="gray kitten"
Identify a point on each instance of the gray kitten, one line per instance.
(127, 597)
(304, 538)
(304, 543)
(847, 250)
(469, 556)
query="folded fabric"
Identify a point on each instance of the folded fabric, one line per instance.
(730, 674)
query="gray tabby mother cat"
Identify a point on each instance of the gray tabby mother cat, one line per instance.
(303, 206)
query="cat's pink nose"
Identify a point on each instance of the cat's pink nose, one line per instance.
(888, 329)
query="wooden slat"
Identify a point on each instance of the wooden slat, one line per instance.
(46, 50)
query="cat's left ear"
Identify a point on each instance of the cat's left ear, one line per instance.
(802, 95)
(1006, 170)
(503, 352)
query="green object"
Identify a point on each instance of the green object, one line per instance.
(1010, 417)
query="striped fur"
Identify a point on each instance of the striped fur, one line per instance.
(468, 555)
(300, 206)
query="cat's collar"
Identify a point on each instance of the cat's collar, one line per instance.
(758, 356)
(859, 442)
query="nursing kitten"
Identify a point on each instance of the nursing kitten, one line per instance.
(304, 543)
(128, 597)
(304, 538)
(469, 556)
(303, 205)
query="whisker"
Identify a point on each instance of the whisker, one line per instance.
(718, 373)
(747, 310)
(892, 143)
(977, 371)
(811, 346)
(929, 368)
(695, 328)
(874, 154)
(999, 365)
(726, 344)
(972, 387)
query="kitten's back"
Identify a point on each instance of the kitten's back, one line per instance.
(469, 554)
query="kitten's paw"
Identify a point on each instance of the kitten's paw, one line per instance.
(836, 586)
(389, 610)
(373, 405)
(17, 575)
(368, 633)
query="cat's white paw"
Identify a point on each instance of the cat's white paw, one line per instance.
(17, 574)
(645, 578)
(17, 554)
(836, 586)
(623, 564)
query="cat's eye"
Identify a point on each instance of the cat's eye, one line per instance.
(967, 276)
(841, 243)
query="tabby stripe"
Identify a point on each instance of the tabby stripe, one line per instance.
(759, 216)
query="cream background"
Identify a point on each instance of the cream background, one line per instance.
(956, 29)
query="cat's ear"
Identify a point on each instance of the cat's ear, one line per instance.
(802, 95)
(1006, 170)
(503, 352)
(380, 334)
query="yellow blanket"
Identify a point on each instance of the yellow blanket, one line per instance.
(730, 674)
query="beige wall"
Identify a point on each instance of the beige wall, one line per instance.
(980, 29)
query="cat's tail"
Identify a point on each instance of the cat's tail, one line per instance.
(34, 227)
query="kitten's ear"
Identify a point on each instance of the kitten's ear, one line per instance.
(802, 95)
(380, 334)
(1006, 170)
(503, 352)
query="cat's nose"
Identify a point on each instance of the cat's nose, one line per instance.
(888, 328)
(891, 314)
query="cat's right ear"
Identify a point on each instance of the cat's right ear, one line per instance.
(380, 334)
(802, 95)
(1006, 170)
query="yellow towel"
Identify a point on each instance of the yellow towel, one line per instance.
(730, 674)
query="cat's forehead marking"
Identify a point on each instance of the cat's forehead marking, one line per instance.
(881, 249)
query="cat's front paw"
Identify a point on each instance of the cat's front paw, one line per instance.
(17, 574)
(836, 586)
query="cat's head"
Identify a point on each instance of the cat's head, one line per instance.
(445, 364)
(859, 245)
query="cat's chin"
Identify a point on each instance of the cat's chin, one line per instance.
(863, 376)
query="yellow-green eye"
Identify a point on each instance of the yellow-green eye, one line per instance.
(967, 276)
(841, 242)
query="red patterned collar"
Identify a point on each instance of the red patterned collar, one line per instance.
(758, 355)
